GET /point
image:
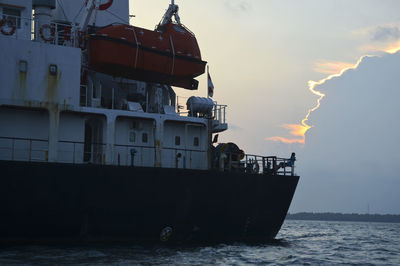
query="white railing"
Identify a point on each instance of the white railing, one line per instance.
(23, 149)
(219, 113)
(55, 33)
(75, 152)
(16, 27)
(27, 29)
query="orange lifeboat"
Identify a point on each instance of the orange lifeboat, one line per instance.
(170, 57)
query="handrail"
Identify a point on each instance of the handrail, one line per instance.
(257, 164)
(59, 33)
(218, 111)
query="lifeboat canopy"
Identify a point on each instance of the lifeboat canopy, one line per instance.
(169, 57)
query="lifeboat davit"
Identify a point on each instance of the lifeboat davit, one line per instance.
(169, 57)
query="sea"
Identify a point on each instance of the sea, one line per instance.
(298, 243)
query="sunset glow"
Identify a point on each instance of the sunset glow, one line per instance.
(393, 48)
(298, 131)
(331, 67)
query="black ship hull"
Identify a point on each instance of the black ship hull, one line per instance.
(45, 202)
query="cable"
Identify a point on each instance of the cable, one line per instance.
(62, 9)
(123, 20)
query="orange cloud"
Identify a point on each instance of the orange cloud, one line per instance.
(390, 48)
(298, 131)
(393, 48)
(295, 130)
(331, 67)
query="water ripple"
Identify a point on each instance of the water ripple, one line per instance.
(298, 243)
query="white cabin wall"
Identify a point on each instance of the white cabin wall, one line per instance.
(171, 151)
(196, 155)
(25, 6)
(37, 86)
(24, 134)
(193, 157)
(129, 135)
(71, 138)
(71, 11)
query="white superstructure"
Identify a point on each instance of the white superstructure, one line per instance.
(52, 109)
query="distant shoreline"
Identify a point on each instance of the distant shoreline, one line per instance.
(328, 216)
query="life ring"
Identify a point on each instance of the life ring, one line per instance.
(47, 27)
(105, 6)
(9, 23)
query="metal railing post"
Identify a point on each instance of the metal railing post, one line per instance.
(86, 100)
(12, 151)
(224, 119)
(30, 150)
(73, 156)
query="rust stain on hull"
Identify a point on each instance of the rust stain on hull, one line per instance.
(19, 93)
(52, 87)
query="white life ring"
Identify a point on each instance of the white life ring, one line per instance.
(44, 28)
(10, 24)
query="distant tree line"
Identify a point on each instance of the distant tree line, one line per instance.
(353, 217)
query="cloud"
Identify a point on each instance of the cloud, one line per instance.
(352, 151)
(390, 47)
(298, 131)
(237, 5)
(380, 38)
(333, 67)
(235, 127)
(385, 33)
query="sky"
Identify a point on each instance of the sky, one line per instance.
(316, 77)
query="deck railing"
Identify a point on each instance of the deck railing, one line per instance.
(23, 149)
(255, 164)
(56, 33)
(219, 113)
(36, 150)
(75, 152)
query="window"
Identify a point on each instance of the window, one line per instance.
(196, 141)
(177, 140)
(132, 137)
(144, 138)
(13, 15)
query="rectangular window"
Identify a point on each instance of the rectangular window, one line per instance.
(13, 15)
(132, 137)
(196, 141)
(177, 140)
(144, 138)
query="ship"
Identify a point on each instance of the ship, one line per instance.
(96, 146)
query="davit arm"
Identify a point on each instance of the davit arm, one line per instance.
(172, 11)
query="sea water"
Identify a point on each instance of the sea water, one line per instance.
(298, 243)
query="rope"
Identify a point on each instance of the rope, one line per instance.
(123, 20)
(62, 9)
